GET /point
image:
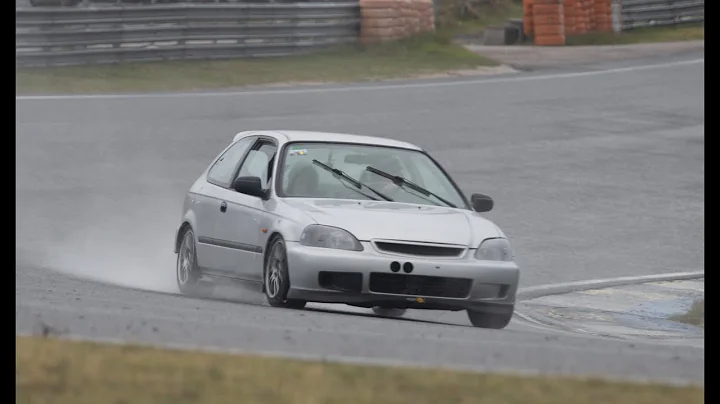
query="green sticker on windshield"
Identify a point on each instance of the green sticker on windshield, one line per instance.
(298, 152)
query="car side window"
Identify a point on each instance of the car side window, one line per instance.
(221, 173)
(259, 164)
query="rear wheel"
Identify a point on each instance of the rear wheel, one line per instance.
(495, 321)
(277, 279)
(388, 312)
(187, 272)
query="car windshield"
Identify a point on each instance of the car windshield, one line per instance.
(307, 172)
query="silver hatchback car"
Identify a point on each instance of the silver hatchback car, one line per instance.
(335, 218)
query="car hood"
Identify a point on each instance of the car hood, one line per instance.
(369, 220)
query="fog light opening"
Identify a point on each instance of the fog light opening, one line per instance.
(395, 266)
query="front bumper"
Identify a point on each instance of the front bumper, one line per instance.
(490, 285)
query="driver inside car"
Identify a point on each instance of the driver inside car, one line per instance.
(390, 165)
(303, 181)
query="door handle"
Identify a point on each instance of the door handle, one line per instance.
(223, 207)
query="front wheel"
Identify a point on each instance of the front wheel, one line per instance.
(277, 279)
(495, 321)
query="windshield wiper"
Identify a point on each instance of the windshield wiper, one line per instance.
(351, 180)
(400, 181)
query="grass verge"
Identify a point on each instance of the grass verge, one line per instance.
(641, 35)
(50, 370)
(425, 54)
(694, 316)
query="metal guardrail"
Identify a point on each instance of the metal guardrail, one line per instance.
(650, 13)
(85, 3)
(99, 35)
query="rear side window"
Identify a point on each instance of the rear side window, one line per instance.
(221, 173)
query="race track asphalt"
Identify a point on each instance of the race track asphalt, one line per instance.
(594, 175)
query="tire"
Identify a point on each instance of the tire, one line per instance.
(387, 312)
(187, 273)
(494, 321)
(276, 278)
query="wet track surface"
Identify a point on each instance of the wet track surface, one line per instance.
(630, 312)
(594, 176)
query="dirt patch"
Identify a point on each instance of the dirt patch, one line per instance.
(476, 72)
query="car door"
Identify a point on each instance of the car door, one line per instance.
(219, 177)
(238, 228)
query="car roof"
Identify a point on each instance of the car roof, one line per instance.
(311, 136)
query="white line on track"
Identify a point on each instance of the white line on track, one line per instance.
(569, 287)
(361, 87)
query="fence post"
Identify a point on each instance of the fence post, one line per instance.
(617, 15)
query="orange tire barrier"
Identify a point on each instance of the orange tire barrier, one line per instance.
(550, 40)
(548, 22)
(527, 17)
(589, 16)
(603, 15)
(570, 23)
(549, 19)
(381, 23)
(386, 20)
(549, 30)
(570, 26)
(547, 9)
(373, 13)
(570, 9)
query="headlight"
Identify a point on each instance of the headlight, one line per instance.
(329, 237)
(494, 249)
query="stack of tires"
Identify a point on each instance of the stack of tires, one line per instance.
(570, 12)
(387, 20)
(426, 13)
(381, 20)
(584, 24)
(527, 18)
(548, 22)
(603, 15)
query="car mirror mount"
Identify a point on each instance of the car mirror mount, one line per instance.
(249, 185)
(481, 203)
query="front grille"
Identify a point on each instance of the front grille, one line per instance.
(424, 250)
(420, 285)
